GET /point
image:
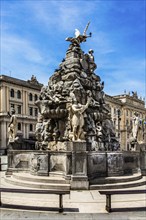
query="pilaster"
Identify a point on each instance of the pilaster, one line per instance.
(79, 179)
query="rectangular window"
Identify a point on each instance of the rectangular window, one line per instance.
(19, 126)
(30, 111)
(12, 106)
(114, 111)
(19, 109)
(36, 112)
(30, 127)
(30, 97)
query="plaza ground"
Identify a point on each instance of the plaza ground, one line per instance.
(78, 205)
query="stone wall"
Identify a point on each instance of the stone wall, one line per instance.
(77, 164)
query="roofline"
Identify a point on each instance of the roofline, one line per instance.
(29, 84)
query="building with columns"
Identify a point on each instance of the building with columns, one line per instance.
(20, 95)
(123, 108)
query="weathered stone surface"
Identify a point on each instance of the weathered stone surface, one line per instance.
(39, 164)
(115, 164)
(143, 158)
(137, 136)
(58, 162)
(131, 162)
(72, 106)
(97, 165)
(12, 127)
(75, 134)
(18, 160)
(79, 182)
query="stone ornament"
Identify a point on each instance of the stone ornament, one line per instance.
(135, 125)
(35, 163)
(72, 106)
(77, 120)
(12, 127)
(137, 134)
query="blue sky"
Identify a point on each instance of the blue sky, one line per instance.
(33, 36)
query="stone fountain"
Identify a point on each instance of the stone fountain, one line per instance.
(75, 134)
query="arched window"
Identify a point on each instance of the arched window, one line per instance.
(19, 126)
(12, 93)
(30, 96)
(36, 97)
(18, 94)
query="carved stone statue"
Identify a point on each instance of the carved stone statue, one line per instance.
(12, 127)
(79, 38)
(77, 120)
(140, 133)
(72, 105)
(92, 64)
(135, 125)
(137, 135)
(33, 80)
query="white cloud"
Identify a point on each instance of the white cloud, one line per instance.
(62, 15)
(19, 47)
(127, 75)
(22, 58)
(57, 19)
(101, 42)
(113, 88)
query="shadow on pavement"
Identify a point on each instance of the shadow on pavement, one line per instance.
(38, 208)
(128, 209)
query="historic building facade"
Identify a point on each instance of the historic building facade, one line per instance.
(123, 108)
(20, 95)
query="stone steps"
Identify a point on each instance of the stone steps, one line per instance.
(36, 182)
(119, 185)
(56, 174)
(116, 179)
(59, 183)
(41, 179)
